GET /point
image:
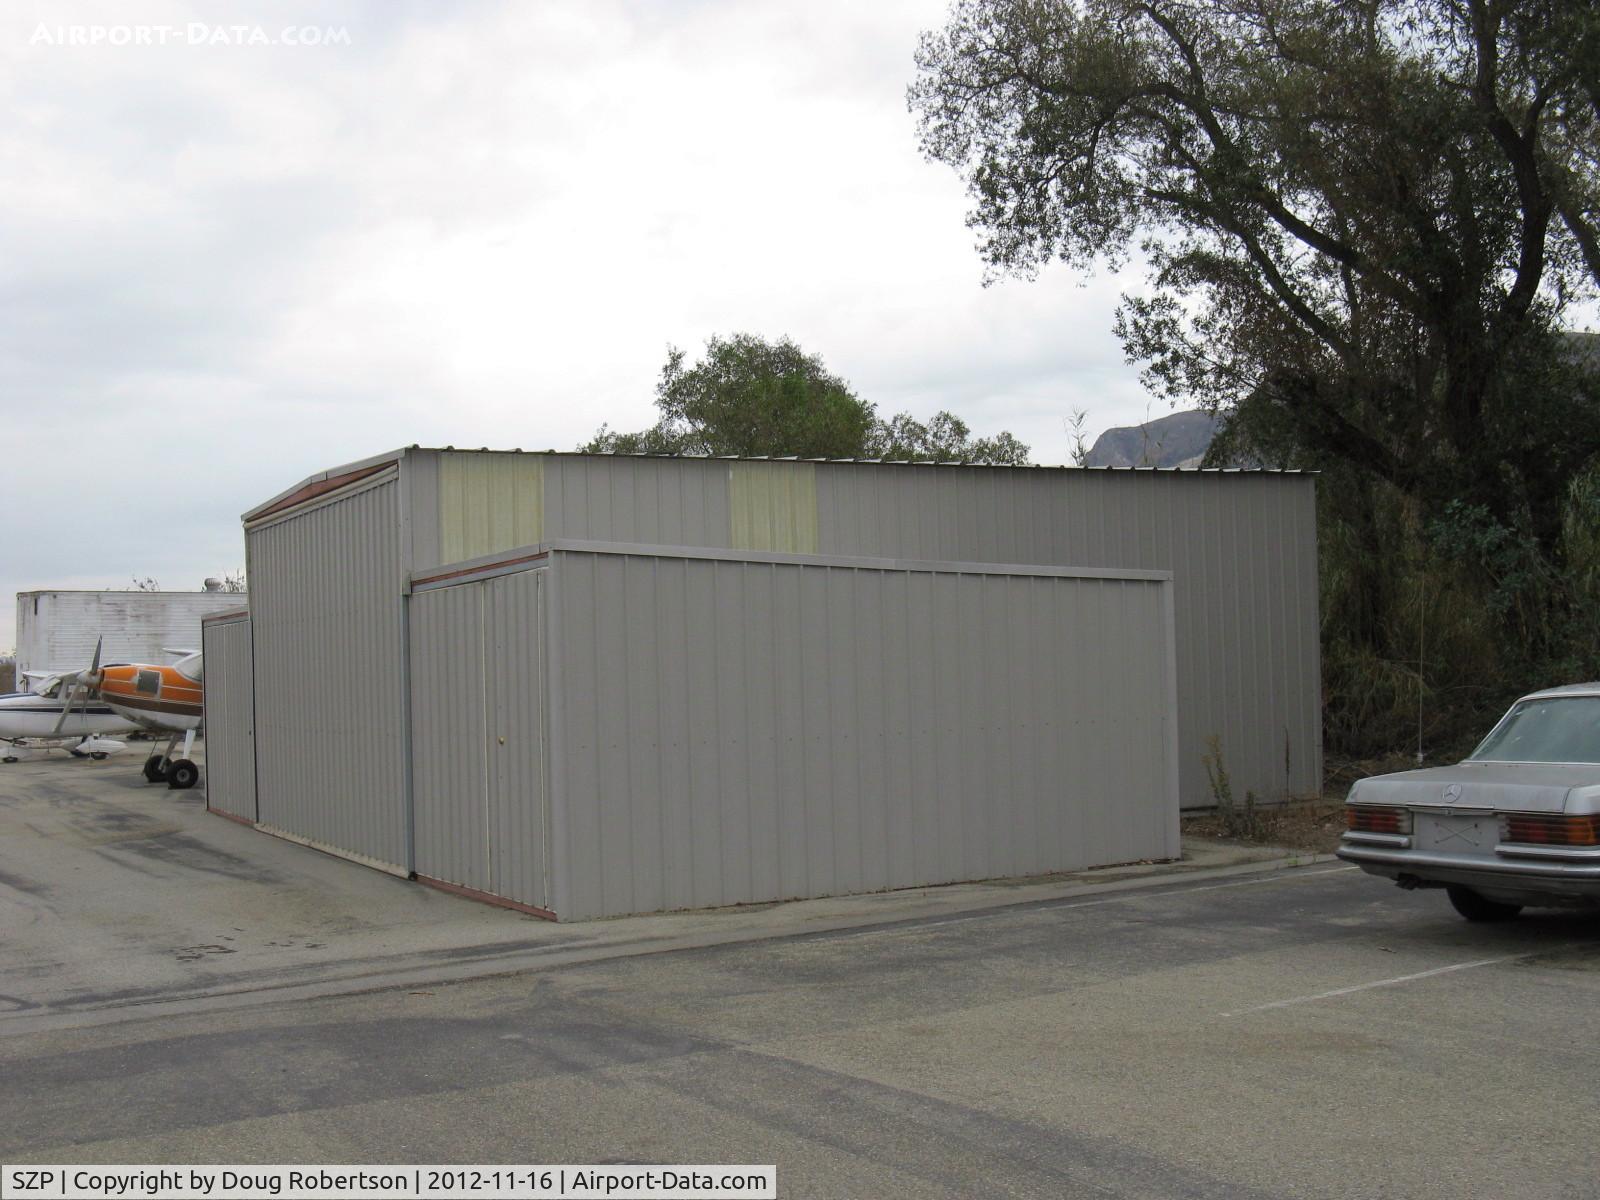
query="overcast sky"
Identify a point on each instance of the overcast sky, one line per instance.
(224, 266)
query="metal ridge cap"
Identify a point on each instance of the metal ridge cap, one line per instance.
(867, 462)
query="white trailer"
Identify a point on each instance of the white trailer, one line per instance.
(57, 631)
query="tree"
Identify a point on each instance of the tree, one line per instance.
(755, 398)
(749, 397)
(1365, 217)
(944, 438)
(1364, 222)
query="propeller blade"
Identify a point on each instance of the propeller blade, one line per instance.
(66, 709)
(81, 687)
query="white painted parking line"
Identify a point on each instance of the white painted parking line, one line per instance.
(1377, 983)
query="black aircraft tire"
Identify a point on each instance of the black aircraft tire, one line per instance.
(153, 770)
(182, 775)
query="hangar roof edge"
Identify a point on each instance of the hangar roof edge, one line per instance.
(333, 478)
(869, 462)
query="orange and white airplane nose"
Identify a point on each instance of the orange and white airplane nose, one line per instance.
(157, 697)
(114, 679)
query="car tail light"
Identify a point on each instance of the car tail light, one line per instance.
(1552, 829)
(1377, 820)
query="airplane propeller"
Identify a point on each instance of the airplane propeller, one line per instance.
(81, 686)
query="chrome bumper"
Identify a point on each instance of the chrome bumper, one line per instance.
(1578, 876)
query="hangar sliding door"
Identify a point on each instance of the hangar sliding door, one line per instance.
(736, 727)
(230, 727)
(478, 761)
(330, 673)
(601, 729)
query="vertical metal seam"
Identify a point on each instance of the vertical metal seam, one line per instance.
(1170, 622)
(542, 641)
(561, 850)
(486, 734)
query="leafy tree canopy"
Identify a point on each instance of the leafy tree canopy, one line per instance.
(944, 438)
(752, 397)
(1366, 216)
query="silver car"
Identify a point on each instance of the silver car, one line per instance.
(1517, 823)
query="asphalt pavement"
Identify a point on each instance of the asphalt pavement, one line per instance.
(1309, 1032)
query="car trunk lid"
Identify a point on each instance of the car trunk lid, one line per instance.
(1521, 787)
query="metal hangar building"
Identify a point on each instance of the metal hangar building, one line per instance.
(590, 685)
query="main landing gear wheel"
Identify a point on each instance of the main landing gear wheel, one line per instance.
(10, 758)
(182, 774)
(98, 755)
(1474, 907)
(153, 770)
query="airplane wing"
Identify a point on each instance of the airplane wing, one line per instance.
(40, 682)
(178, 651)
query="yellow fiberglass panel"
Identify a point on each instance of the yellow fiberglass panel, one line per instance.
(489, 502)
(774, 506)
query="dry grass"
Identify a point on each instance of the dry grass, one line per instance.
(1311, 825)
(1305, 823)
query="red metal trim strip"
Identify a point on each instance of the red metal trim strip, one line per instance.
(455, 889)
(321, 488)
(217, 812)
(494, 566)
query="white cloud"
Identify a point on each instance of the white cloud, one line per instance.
(224, 267)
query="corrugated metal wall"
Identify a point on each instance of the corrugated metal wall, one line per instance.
(230, 718)
(478, 691)
(669, 502)
(332, 694)
(774, 506)
(488, 502)
(738, 731)
(1242, 550)
(331, 752)
(1241, 545)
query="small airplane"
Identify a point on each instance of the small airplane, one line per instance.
(41, 718)
(158, 699)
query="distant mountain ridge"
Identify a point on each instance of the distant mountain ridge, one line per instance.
(1179, 440)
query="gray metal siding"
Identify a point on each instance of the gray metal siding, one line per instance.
(448, 744)
(744, 731)
(670, 502)
(517, 691)
(1242, 546)
(330, 676)
(478, 714)
(230, 718)
(1242, 549)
